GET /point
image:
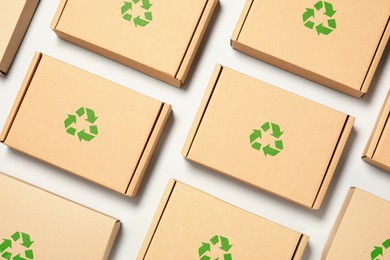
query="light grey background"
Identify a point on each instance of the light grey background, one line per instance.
(136, 214)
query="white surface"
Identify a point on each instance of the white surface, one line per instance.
(136, 214)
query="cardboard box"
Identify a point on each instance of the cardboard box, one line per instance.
(15, 16)
(334, 43)
(361, 230)
(377, 151)
(158, 38)
(84, 124)
(267, 137)
(190, 224)
(34, 226)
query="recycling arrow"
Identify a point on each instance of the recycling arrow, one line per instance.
(321, 28)
(376, 252)
(271, 149)
(225, 247)
(386, 244)
(71, 122)
(24, 240)
(140, 20)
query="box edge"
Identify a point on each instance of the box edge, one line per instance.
(58, 14)
(156, 218)
(202, 109)
(151, 144)
(301, 246)
(112, 239)
(20, 96)
(241, 21)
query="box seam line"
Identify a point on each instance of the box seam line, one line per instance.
(160, 217)
(60, 15)
(191, 40)
(297, 246)
(375, 54)
(146, 144)
(331, 159)
(244, 21)
(204, 112)
(380, 137)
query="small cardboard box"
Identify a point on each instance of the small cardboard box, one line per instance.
(361, 230)
(84, 124)
(335, 43)
(268, 137)
(15, 16)
(158, 38)
(36, 224)
(190, 224)
(377, 151)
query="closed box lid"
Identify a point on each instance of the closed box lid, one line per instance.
(15, 16)
(84, 124)
(361, 230)
(268, 137)
(34, 226)
(377, 150)
(335, 43)
(190, 224)
(159, 38)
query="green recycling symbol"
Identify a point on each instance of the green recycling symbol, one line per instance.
(138, 21)
(25, 242)
(71, 120)
(276, 147)
(329, 12)
(378, 250)
(205, 248)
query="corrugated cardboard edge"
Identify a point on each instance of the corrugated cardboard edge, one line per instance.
(372, 144)
(337, 224)
(344, 135)
(202, 109)
(116, 222)
(306, 73)
(377, 57)
(20, 96)
(196, 40)
(112, 238)
(18, 35)
(301, 246)
(156, 219)
(150, 146)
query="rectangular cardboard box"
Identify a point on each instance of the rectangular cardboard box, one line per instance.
(84, 124)
(361, 230)
(15, 16)
(267, 137)
(36, 224)
(377, 151)
(158, 38)
(344, 58)
(190, 224)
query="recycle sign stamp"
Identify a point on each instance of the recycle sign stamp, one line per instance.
(378, 250)
(326, 9)
(83, 135)
(128, 9)
(268, 149)
(25, 242)
(224, 245)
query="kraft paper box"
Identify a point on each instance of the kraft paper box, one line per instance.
(267, 137)
(361, 230)
(85, 125)
(334, 43)
(190, 224)
(36, 224)
(377, 151)
(15, 16)
(159, 38)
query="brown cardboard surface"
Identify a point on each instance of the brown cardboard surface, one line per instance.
(129, 124)
(377, 151)
(81, 233)
(345, 60)
(313, 137)
(203, 217)
(361, 226)
(164, 49)
(15, 16)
